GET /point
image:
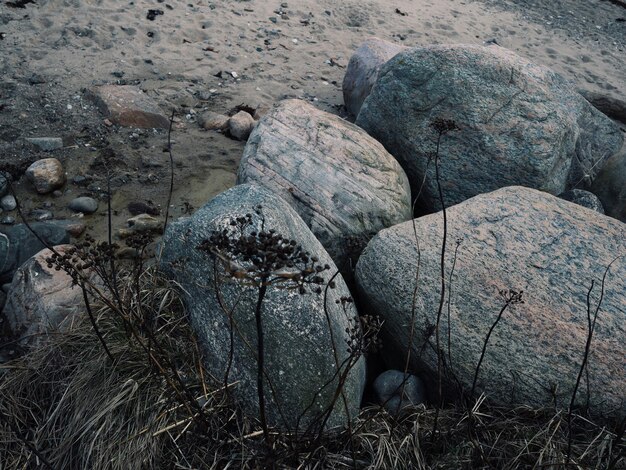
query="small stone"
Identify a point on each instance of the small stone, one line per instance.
(8, 203)
(46, 144)
(73, 228)
(36, 79)
(213, 121)
(57, 193)
(80, 180)
(84, 204)
(7, 220)
(127, 105)
(395, 390)
(138, 207)
(46, 175)
(141, 223)
(41, 214)
(240, 125)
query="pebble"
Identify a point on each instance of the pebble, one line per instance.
(84, 204)
(395, 390)
(141, 223)
(46, 144)
(240, 125)
(213, 121)
(7, 220)
(46, 175)
(8, 203)
(41, 214)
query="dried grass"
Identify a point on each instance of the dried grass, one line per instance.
(80, 411)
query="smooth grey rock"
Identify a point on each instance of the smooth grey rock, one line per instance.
(47, 144)
(18, 243)
(396, 390)
(520, 123)
(8, 203)
(583, 198)
(240, 125)
(514, 238)
(7, 220)
(343, 183)
(363, 69)
(299, 353)
(84, 204)
(46, 175)
(42, 300)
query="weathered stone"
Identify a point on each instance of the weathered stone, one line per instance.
(72, 227)
(520, 123)
(42, 300)
(18, 243)
(363, 69)
(41, 215)
(141, 223)
(240, 125)
(299, 336)
(128, 106)
(343, 183)
(396, 390)
(46, 175)
(583, 198)
(514, 238)
(84, 204)
(213, 121)
(47, 144)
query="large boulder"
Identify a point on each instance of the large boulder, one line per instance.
(299, 335)
(363, 69)
(520, 123)
(19, 243)
(514, 238)
(343, 183)
(42, 300)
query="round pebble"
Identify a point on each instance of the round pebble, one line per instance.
(84, 204)
(8, 203)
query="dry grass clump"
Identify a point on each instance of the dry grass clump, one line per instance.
(65, 405)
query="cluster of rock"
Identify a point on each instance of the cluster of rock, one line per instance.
(521, 137)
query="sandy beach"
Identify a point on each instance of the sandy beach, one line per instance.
(213, 56)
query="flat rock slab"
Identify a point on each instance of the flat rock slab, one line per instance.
(514, 238)
(128, 106)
